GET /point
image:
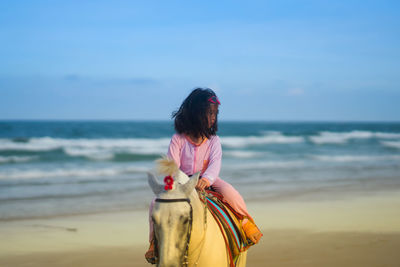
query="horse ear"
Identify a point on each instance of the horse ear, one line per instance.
(154, 184)
(189, 186)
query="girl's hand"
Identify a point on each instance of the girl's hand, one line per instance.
(202, 184)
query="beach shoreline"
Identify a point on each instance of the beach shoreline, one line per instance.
(296, 233)
(284, 248)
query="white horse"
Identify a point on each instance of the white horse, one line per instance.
(186, 232)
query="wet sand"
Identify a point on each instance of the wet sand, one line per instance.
(363, 230)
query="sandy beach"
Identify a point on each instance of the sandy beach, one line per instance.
(362, 230)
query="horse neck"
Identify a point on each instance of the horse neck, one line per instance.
(201, 217)
(207, 246)
(198, 208)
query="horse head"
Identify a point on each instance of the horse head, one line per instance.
(172, 216)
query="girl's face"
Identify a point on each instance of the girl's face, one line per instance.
(212, 114)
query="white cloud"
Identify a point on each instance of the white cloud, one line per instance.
(295, 92)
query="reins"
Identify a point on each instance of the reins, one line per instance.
(173, 200)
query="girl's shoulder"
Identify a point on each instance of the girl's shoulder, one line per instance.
(179, 138)
(214, 139)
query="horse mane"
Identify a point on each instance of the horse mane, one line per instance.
(167, 166)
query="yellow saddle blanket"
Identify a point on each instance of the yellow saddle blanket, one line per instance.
(230, 223)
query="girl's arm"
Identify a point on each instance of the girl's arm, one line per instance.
(214, 164)
(174, 149)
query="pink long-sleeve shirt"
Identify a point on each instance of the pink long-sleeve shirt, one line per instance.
(192, 158)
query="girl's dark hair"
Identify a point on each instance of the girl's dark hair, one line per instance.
(191, 117)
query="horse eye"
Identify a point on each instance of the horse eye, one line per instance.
(186, 221)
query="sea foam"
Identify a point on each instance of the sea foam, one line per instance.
(326, 137)
(71, 172)
(242, 154)
(273, 138)
(266, 165)
(97, 149)
(354, 158)
(391, 144)
(11, 159)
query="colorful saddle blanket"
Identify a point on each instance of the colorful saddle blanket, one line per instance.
(230, 223)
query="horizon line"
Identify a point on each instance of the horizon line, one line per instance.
(225, 120)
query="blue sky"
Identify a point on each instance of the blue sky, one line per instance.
(267, 60)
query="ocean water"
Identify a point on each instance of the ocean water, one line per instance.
(56, 168)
